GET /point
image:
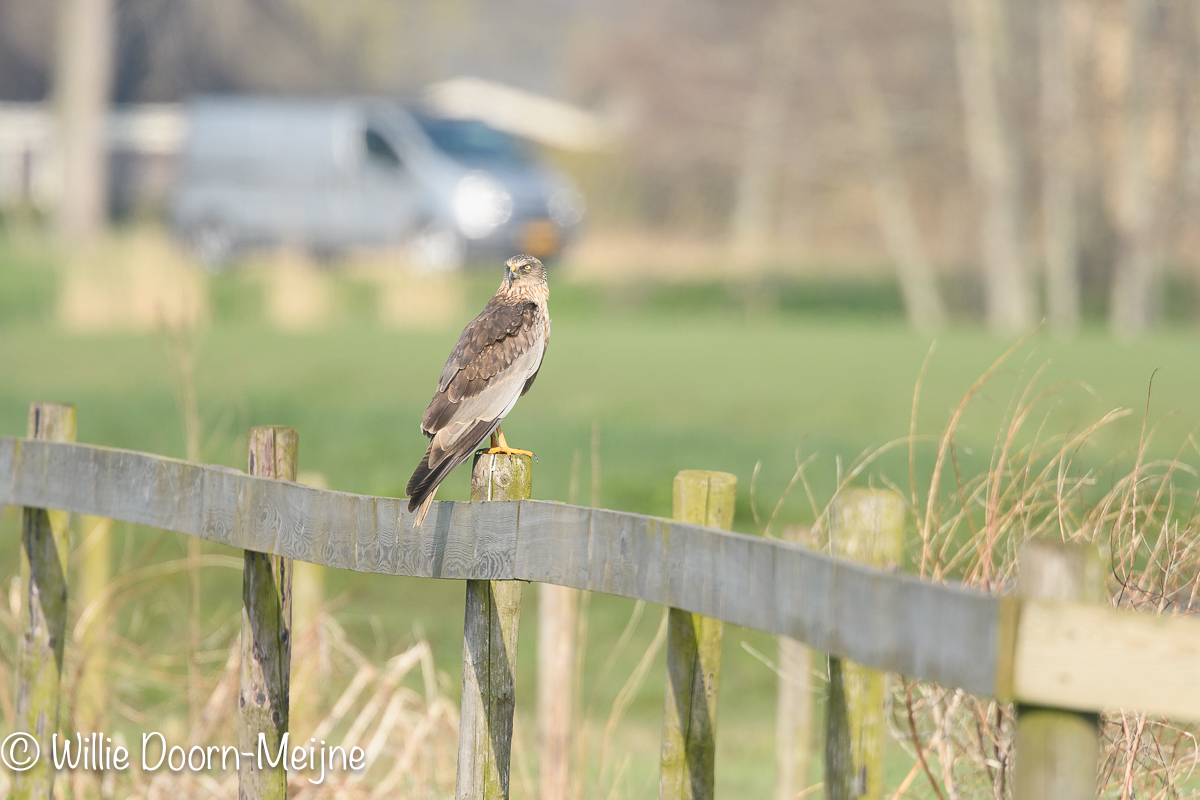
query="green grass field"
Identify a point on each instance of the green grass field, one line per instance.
(667, 389)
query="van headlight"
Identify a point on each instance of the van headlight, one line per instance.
(480, 205)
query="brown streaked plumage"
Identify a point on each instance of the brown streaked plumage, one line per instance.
(495, 361)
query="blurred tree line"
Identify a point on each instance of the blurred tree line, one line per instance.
(1050, 146)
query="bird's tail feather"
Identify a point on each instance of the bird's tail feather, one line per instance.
(423, 508)
(425, 479)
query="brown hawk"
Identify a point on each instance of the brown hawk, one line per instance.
(495, 361)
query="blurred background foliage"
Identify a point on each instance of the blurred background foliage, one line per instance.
(999, 160)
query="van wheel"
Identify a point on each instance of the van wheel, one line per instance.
(212, 244)
(433, 248)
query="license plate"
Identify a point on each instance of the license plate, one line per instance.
(539, 238)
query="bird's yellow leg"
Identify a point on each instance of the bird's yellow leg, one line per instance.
(501, 446)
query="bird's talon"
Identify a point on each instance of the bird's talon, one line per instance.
(508, 451)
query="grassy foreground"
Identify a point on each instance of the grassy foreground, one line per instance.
(663, 391)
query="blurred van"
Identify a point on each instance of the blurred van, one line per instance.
(331, 175)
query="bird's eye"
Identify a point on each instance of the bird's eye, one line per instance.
(527, 266)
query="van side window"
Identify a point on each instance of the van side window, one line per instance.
(380, 150)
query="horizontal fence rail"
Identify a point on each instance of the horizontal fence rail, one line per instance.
(946, 634)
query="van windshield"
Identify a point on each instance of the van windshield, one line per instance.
(473, 142)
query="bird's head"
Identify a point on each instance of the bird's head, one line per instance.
(524, 270)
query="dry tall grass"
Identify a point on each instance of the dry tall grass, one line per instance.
(1043, 483)
(398, 712)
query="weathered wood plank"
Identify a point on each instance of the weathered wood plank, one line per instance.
(687, 758)
(866, 525)
(1094, 658)
(493, 615)
(264, 687)
(553, 543)
(1057, 751)
(45, 546)
(945, 634)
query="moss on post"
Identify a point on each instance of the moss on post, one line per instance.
(1057, 752)
(45, 541)
(266, 632)
(500, 477)
(865, 525)
(689, 736)
(493, 615)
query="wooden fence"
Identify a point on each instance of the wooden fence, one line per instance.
(1060, 661)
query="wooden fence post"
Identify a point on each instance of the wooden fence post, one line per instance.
(794, 703)
(558, 608)
(308, 597)
(865, 525)
(263, 694)
(689, 736)
(92, 552)
(1057, 751)
(493, 614)
(95, 553)
(45, 542)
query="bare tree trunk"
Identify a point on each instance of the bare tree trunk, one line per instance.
(1133, 305)
(1191, 67)
(922, 301)
(1189, 186)
(757, 185)
(979, 38)
(794, 217)
(1059, 136)
(82, 85)
(1174, 169)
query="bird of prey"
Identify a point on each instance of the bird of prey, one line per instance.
(495, 361)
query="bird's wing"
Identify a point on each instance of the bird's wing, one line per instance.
(489, 406)
(501, 332)
(493, 361)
